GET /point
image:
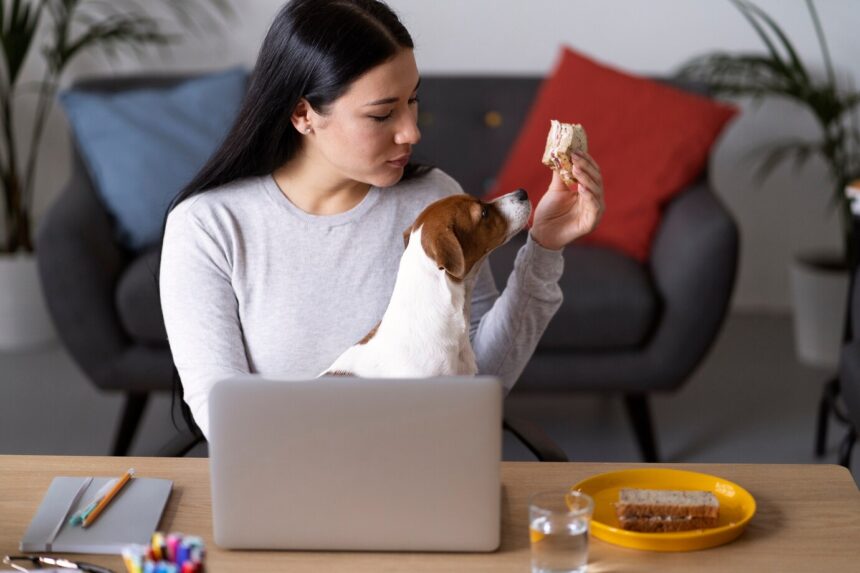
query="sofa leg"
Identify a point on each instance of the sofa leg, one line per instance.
(640, 416)
(846, 446)
(132, 412)
(827, 404)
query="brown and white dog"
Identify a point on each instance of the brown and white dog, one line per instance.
(425, 329)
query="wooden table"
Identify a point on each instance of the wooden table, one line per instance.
(808, 519)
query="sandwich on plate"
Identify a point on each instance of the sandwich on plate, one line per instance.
(659, 510)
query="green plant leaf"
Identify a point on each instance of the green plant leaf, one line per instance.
(746, 74)
(777, 154)
(777, 75)
(112, 34)
(746, 9)
(796, 64)
(17, 30)
(822, 41)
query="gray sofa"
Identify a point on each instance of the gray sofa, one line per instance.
(624, 328)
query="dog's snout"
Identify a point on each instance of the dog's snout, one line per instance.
(521, 195)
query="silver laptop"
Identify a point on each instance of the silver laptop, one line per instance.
(356, 463)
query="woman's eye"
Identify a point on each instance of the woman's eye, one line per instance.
(484, 213)
(381, 118)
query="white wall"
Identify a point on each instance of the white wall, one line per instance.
(787, 214)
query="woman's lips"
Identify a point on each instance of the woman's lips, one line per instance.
(400, 162)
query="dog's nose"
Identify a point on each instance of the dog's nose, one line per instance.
(521, 195)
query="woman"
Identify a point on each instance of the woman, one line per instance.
(282, 252)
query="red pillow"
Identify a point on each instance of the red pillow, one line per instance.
(650, 140)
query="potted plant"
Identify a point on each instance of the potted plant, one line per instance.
(819, 282)
(58, 31)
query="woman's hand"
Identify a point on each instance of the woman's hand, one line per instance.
(564, 214)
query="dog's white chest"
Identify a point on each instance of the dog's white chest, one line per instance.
(425, 330)
(404, 351)
(423, 333)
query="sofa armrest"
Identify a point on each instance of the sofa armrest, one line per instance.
(79, 264)
(694, 264)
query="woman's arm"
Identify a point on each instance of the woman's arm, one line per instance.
(505, 335)
(506, 328)
(200, 310)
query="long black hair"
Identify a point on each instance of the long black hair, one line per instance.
(314, 49)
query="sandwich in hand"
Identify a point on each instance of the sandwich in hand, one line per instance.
(657, 510)
(563, 140)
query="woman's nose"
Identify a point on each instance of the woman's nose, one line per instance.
(407, 132)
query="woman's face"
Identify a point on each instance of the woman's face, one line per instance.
(370, 130)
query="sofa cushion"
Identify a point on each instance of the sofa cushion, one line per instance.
(650, 139)
(609, 300)
(141, 146)
(137, 300)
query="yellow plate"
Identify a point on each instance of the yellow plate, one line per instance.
(737, 507)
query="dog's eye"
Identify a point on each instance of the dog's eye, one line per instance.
(484, 213)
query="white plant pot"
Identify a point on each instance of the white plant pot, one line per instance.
(819, 285)
(24, 319)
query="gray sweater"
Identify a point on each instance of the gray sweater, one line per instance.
(251, 283)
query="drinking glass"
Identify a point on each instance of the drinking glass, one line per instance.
(558, 527)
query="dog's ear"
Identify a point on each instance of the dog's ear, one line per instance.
(406, 234)
(445, 249)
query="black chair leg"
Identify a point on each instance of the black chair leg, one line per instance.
(639, 412)
(131, 414)
(846, 447)
(535, 439)
(181, 444)
(825, 406)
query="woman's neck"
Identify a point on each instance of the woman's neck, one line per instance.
(316, 189)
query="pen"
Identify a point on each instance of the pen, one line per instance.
(79, 517)
(108, 497)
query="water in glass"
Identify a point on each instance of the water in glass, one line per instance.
(560, 545)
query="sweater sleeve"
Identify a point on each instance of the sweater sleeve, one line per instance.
(506, 328)
(200, 310)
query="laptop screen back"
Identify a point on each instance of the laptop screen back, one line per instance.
(356, 463)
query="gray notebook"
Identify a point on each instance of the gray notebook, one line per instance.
(131, 517)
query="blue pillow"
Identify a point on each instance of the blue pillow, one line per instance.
(142, 146)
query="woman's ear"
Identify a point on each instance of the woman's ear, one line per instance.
(301, 116)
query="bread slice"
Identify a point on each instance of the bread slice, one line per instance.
(563, 140)
(656, 510)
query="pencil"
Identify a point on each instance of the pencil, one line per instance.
(107, 498)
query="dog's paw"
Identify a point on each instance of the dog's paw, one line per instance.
(336, 373)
